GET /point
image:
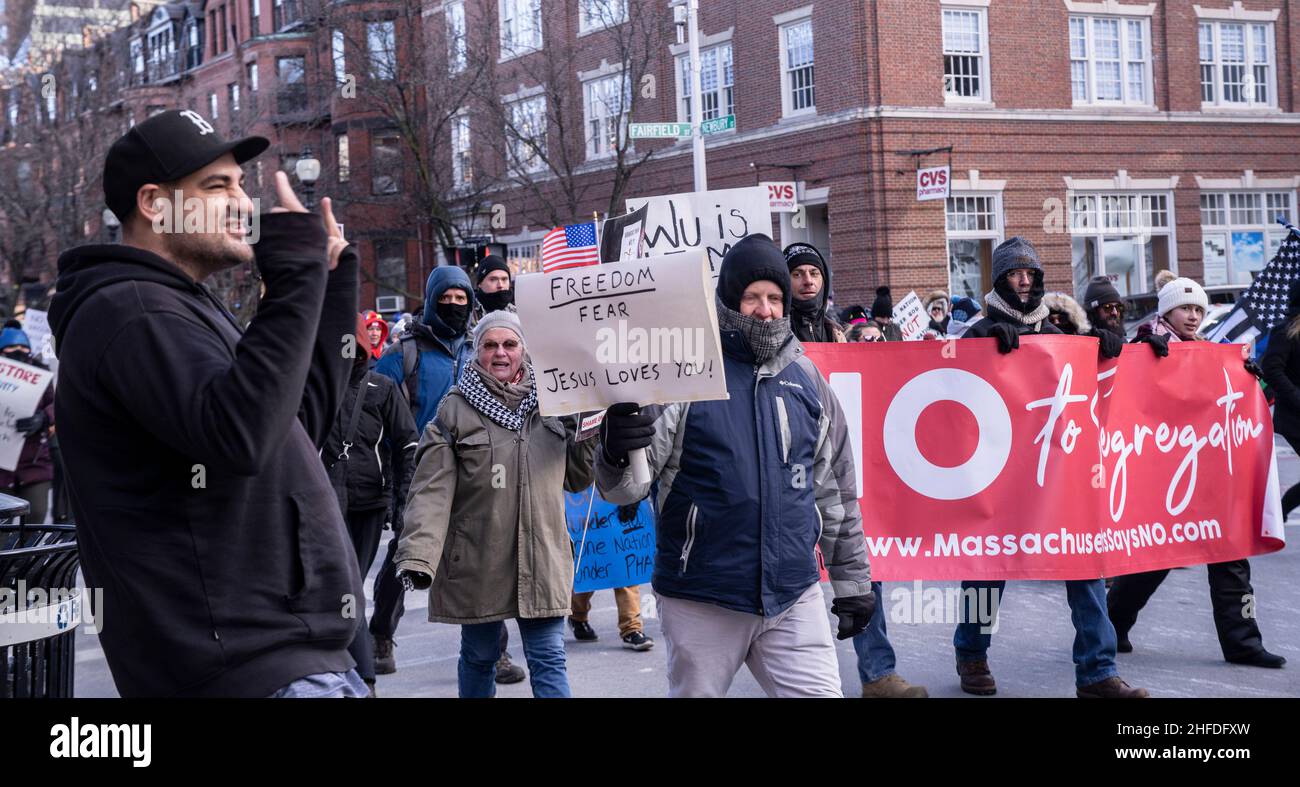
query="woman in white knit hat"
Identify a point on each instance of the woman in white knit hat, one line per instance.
(1182, 309)
(485, 530)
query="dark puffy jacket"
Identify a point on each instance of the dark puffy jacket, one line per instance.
(1281, 367)
(980, 330)
(382, 457)
(734, 528)
(191, 451)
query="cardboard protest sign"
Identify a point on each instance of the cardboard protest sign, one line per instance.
(708, 220)
(1048, 464)
(609, 552)
(21, 387)
(36, 325)
(911, 317)
(643, 331)
(622, 238)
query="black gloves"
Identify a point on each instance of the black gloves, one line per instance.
(1159, 344)
(628, 513)
(625, 428)
(854, 613)
(31, 425)
(1008, 338)
(1111, 344)
(1254, 369)
(415, 580)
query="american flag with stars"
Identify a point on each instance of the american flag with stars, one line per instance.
(571, 246)
(1265, 303)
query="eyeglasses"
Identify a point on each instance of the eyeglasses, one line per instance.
(1115, 309)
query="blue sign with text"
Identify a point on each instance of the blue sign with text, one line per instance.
(619, 548)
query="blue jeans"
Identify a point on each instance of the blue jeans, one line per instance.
(480, 647)
(333, 685)
(1094, 636)
(875, 654)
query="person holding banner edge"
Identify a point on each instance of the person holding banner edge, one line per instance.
(1182, 306)
(735, 573)
(1015, 307)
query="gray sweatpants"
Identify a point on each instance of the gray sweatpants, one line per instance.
(790, 655)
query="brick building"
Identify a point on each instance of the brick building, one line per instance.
(1120, 137)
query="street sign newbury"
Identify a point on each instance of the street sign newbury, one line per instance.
(724, 123)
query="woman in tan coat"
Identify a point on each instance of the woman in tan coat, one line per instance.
(485, 528)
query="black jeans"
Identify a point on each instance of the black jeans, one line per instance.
(1229, 582)
(364, 527)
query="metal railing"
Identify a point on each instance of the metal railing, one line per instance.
(37, 642)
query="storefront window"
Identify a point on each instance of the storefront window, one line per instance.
(1240, 233)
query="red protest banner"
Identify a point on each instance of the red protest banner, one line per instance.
(1046, 464)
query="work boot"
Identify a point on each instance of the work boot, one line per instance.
(582, 631)
(508, 672)
(1110, 689)
(385, 662)
(893, 685)
(976, 678)
(1261, 658)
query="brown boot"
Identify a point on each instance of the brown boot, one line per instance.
(893, 686)
(1111, 688)
(976, 678)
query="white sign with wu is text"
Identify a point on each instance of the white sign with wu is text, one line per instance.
(712, 221)
(641, 331)
(933, 183)
(21, 387)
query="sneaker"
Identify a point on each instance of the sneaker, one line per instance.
(637, 641)
(893, 686)
(385, 662)
(582, 631)
(508, 672)
(976, 678)
(1261, 658)
(1110, 688)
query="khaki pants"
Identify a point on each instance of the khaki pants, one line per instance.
(629, 608)
(790, 655)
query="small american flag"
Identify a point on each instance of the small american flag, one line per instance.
(572, 246)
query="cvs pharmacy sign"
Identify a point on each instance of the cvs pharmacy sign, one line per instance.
(932, 183)
(781, 197)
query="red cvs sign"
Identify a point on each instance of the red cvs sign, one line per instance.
(781, 197)
(932, 183)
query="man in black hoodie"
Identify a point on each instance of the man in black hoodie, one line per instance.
(191, 447)
(493, 290)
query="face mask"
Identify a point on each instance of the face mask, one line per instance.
(495, 301)
(454, 315)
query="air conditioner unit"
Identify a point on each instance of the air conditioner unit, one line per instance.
(386, 304)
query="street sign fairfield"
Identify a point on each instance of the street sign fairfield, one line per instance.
(724, 123)
(659, 130)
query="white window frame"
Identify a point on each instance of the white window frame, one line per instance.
(682, 62)
(594, 15)
(986, 94)
(232, 96)
(251, 70)
(1249, 64)
(787, 90)
(598, 147)
(973, 189)
(338, 56)
(381, 49)
(461, 150)
(1090, 60)
(457, 46)
(1132, 226)
(343, 157)
(1222, 200)
(213, 105)
(520, 28)
(524, 112)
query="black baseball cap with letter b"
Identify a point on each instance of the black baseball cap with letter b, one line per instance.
(164, 148)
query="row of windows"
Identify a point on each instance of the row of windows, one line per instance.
(1110, 60)
(1127, 236)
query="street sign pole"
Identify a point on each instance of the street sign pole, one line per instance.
(697, 103)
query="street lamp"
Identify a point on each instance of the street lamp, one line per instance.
(109, 219)
(308, 170)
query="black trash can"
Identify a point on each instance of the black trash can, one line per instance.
(40, 606)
